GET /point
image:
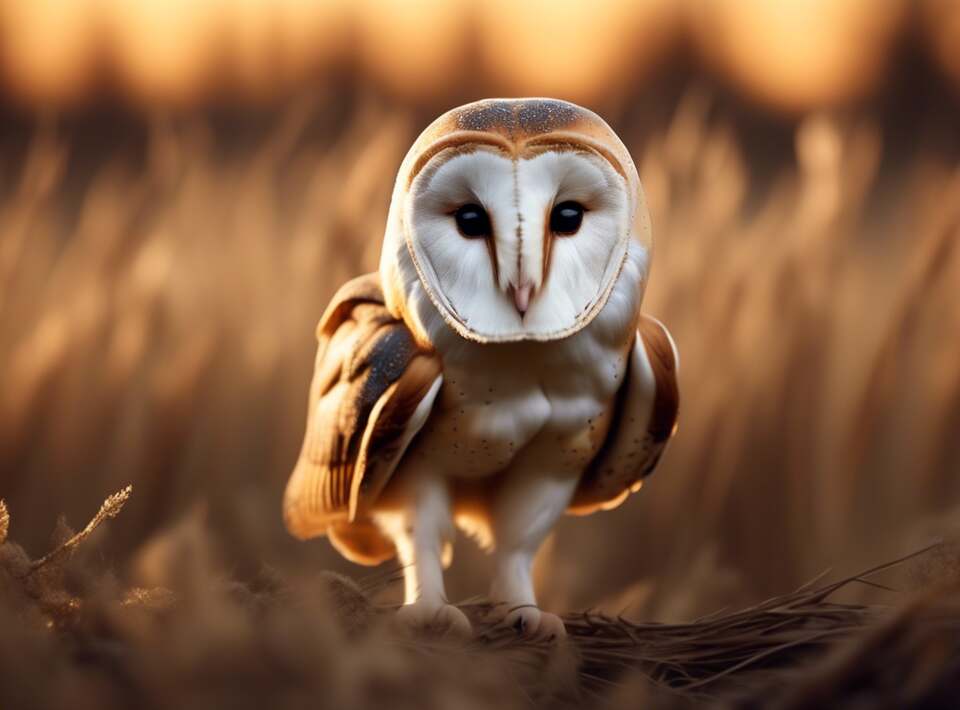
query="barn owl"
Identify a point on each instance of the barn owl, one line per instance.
(497, 371)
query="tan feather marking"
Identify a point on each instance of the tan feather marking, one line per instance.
(556, 142)
(462, 140)
(519, 231)
(547, 247)
(491, 243)
(666, 402)
(361, 542)
(361, 289)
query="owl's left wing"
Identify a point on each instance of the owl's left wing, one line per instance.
(373, 388)
(644, 419)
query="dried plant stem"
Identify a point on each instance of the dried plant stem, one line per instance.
(110, 509)
(4, 522)
(695, 659)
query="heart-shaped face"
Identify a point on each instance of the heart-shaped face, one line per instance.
(517, 215)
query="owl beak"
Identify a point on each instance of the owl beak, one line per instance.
(521, 297)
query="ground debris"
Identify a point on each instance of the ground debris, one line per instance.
(211, 640)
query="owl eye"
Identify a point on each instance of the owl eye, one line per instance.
(473, 221)
(566, 217)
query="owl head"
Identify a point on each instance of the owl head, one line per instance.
(516, 216)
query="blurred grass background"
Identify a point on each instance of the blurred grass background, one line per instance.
(183, 185)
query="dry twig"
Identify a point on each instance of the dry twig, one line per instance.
(702, 658)
(4, 522)
(110, 509)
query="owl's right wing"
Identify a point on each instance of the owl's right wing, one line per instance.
(644, 420)
(373, 388)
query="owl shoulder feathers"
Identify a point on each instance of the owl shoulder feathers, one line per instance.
(372, 390)
(644, 419)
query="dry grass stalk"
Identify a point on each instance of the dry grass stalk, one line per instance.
(780, 646)
(110, 508)
(711, 655)
(4, 522)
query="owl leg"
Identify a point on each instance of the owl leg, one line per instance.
(423, 532)
(524, 512)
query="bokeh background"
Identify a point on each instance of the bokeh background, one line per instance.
(185, 183)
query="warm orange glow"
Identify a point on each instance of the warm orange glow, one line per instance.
(416, 47)
(793, 54)
(798, 53)
(164, 49)
(298, 37)
(48, 47)
(569, 49)
(942, 23)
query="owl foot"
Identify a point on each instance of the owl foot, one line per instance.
(435, 620)
(531, 622)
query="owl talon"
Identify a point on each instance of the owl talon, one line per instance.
(443, 620)
(531, 622)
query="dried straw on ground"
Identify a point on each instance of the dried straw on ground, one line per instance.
(4, 522)
(216, 641)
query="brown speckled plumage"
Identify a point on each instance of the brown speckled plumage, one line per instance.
(516, 118)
